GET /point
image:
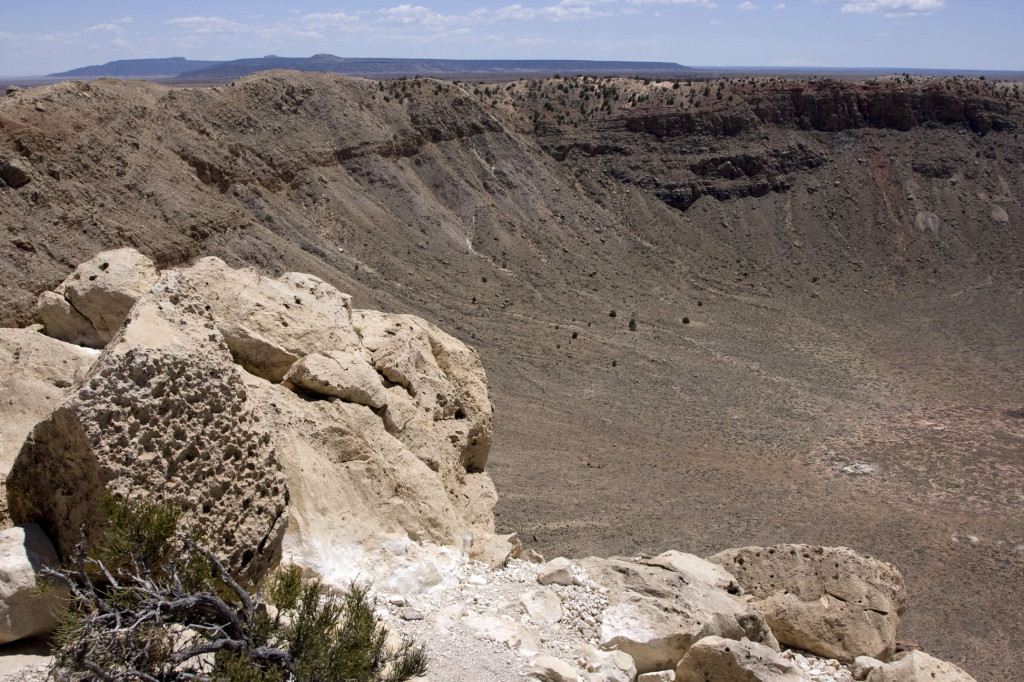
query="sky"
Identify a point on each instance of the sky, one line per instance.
(45, 36)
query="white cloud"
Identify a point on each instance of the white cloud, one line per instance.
(894, 8)
(747, 6)
(109, 28)
(121, 43)
(701, 3)
(781, 5)
(208, 25)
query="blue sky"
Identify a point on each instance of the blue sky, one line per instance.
(46, 35)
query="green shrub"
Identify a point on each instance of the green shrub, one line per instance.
(632, 324)
(153, 604)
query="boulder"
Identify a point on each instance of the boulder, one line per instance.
(90, 305)
(26, 608)
(605, 666)
(542, 606)
(36, 373)
(503, 629)
(162, 413)
(350, 481)
(440, 373)
(918, 666)
(656, 613)
(15, 172)
(830, 601)
(558, 571)
(269, 324)
(726, 660)
(551, 669)
(495, 550)
(659, 676)
(339, 374)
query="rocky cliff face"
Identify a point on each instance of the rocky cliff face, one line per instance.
(170, 411)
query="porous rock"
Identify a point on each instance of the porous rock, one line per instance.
(656, 614)
(339, 374)
(26, 609)
(162, 413)
(830, 601)
(90, 305)
(918, 666)
(268, 323)
(441, 374)
(728, 660)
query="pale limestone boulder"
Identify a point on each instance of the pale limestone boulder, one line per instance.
(542, 605)
(659, 676)
(90, 305)
(917, 666)
(503, 629)
(163, 413)
(551, 669)
(339, 374)
(25, 610)
(558, 571)
(36, 373)
(350, 480)
(862, 665)
(728, 660)
(495, 550)
(655, 614)
(830, 601)
(269, 324)
(440, 373)
(605, 666)
(61, 321)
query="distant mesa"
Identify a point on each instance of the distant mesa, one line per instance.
(197, 70)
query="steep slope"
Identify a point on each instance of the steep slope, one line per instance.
(820, 275)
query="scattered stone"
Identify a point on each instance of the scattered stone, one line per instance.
(27, 608)
(551, 669)
(659, 676)
(926, 221)
(1000, 215)
(13, 89)
(862, 665)
(827, 600)
(606, 666)
(859, 469)
(558, 571)
(542, 605)
(411, 614)
(15, 172)
(918, 666)
(532, 556)
(496, 550)
(727, 660)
